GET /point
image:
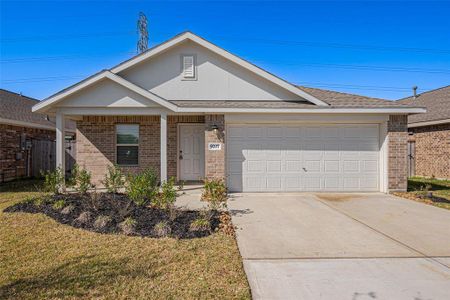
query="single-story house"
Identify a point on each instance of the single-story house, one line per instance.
(18, 128)
(429, 140)
(191, 110)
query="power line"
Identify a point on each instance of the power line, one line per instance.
(252, 40)
(59, 57)
(322, 84)
(66, 36)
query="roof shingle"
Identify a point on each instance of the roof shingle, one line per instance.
(437, 103)
(16, 107)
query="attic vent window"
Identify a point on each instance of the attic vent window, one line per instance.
(188, 67)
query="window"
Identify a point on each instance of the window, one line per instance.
(188, 67)
(127, 141)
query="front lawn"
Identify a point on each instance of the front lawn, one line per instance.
(41, 259)
(428, 190)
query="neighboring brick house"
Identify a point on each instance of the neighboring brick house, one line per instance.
(190, 110)
(18, 127)
(429, 139)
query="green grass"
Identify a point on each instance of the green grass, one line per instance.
(419, 186)
(42, 259)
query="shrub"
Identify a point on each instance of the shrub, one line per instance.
(128, 225)
(83, 181)
(166, 199)
(102, 222)
(114, 179)
(142, 187)
(53, 181)
(215, 193)
(200, 224)
(162, 229)
(59, 204)
(40, 200)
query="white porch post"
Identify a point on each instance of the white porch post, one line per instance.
(163, 147)
(60, 142)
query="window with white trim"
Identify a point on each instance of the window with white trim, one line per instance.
(188, 66)
(127, 144)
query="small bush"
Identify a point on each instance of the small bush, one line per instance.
(102, 222)
(114, 179)
(68, 209)
(53, 181)
(84, 218)
(181, 186)
(83, 181)
(59, 204)
(72, 180)
(40, 200)
(200, 224)
(143, 187)
(162, 229)
(166, 199)
(128, 225)
(215, 193)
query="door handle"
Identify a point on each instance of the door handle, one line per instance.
(181, 155)
(304, 169)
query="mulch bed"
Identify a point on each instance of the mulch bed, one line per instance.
(104, 213)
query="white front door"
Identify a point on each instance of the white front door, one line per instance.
(191, 151)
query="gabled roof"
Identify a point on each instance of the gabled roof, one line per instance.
(186, 36)
(216, 49)
(15, 109)
(105, 74)
(437, 103)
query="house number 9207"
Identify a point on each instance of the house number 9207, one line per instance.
(214, 146)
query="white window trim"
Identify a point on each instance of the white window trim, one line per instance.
(128, 145)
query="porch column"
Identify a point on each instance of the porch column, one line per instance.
(60, 142)
(163, 147)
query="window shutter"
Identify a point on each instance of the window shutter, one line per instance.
(188, 67)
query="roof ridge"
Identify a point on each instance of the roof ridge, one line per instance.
(345, 93)
(19, 94)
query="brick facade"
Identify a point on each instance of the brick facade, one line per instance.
(96, 143)
(398, 151)
(215, 160)
(14, 161)
(432, 150)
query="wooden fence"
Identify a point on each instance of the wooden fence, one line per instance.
(43, 156)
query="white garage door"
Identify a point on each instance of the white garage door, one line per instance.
(303, 157)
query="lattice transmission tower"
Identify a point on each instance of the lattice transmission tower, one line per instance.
(142, 44)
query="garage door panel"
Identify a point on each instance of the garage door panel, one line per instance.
(256, 166)
(303, 157)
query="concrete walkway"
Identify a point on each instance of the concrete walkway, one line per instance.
(342, 246)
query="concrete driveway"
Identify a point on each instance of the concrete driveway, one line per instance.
(342, 246)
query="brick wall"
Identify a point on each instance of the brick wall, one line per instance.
(10, 167)
(215, 160)
(432, 155)
(398, 147)
(96, 143)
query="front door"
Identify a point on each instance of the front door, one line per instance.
(191, 156)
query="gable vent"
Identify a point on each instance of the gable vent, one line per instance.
(188, 66)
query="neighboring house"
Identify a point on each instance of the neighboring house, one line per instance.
(191, 110)
(18, 128)
(430, 134)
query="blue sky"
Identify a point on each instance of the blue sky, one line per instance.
(378, 49)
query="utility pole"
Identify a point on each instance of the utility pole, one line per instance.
(142, 44)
